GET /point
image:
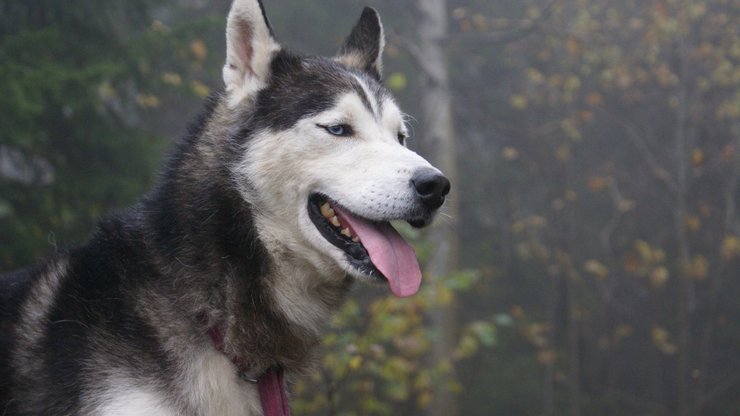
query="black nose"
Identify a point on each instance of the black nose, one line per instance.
(431, 187)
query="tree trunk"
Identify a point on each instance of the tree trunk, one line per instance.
(685, 286)
(437, 132)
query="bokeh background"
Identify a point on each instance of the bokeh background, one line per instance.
(588, 261)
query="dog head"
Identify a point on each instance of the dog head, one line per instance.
(324, 162)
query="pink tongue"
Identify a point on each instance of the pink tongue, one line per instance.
(393, 256)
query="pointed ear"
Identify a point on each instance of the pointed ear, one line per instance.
(250, 47)
(363, 48)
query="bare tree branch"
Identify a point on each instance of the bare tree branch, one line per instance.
(645, 153)
(527, 27)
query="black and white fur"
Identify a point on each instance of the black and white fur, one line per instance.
(118, 325)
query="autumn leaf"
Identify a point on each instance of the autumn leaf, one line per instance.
(200, 89)
(147, 101)
(596, 268)
(397, 81)
(597, 183)
(693, 223)
(510, 153)
(697, 268)
(172, 78)
(199, 49)
(547, 356)
(518, 101)
(595, 99)
(730, 247)
(697, 158)
(661, 339)
(658, 277)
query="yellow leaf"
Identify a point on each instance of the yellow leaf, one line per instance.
(425, 399)
(480, 22)
(586, 116)
(700, 268)
(460, 12)
(622, 331)
(547, 356)
(730, 247)
(573, 46)
(661, 340)
(626, 205)
(355, 362)
(107, 91)
(535, 76)
(665, 76)
(517, 312)
(200, 89)
(658, 277)
(172, 78)
(705, 209)
(466, 347)
(158, 26)
(644, 249)
(397, 81)
(519, 227)
(147, 100)
(518, 101)
(533, 13)
(697, 157)
(570, 127)
(631, 263)
(595, 99)
(199, 49)
(572, 84)
(445, 296)
(597, 183)
(596, 268)
(693, 223)
(510, 153)
(562, 153)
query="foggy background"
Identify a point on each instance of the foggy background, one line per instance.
(588, 262)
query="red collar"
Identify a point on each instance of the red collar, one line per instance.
(271, 384)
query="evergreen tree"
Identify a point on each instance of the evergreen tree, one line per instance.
(68, 147)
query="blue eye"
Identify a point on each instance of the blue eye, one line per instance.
(337, 130)
(341, 130)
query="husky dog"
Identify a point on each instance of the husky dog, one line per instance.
(277, 200)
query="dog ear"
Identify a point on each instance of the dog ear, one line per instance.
(363, 48)
(250, 47)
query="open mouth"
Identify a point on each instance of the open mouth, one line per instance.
(374, 248)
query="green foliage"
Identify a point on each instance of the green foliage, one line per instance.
(377, 354)
(68, 157)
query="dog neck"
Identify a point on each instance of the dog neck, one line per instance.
(306, 298)
(270, 384)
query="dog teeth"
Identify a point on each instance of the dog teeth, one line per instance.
(348, 233)
(334, 221)
(327, 211)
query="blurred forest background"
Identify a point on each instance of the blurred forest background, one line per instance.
(589, 261)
